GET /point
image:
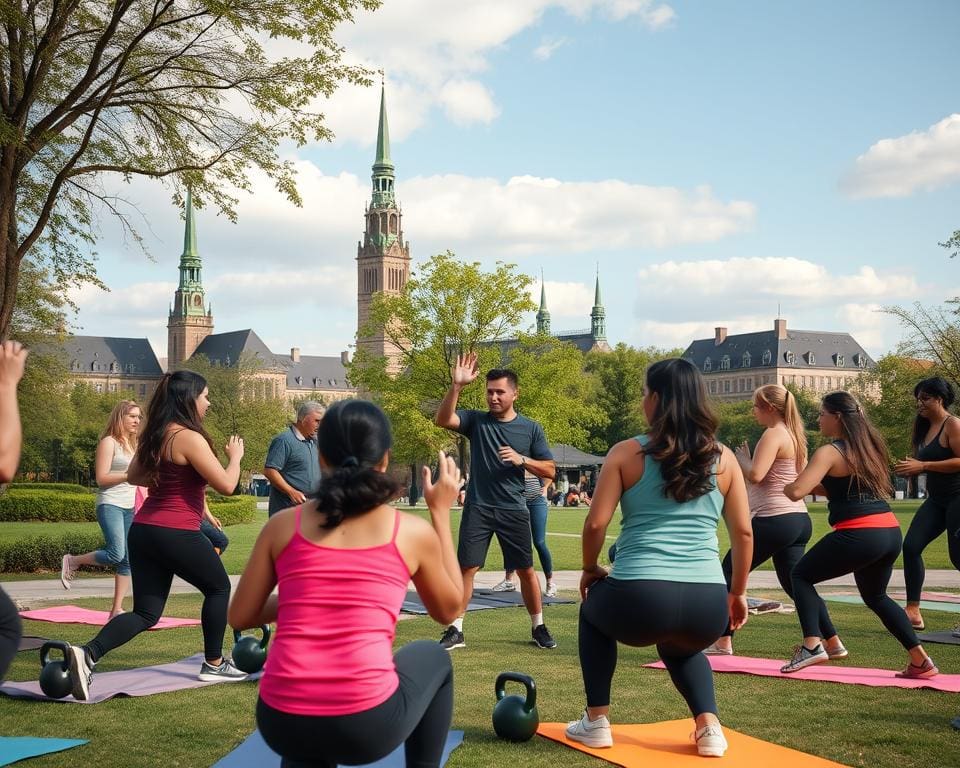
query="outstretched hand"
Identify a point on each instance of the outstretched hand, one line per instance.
(13, 356)
(441, 495)
(466, 369)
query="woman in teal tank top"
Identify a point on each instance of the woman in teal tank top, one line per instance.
(666, 587)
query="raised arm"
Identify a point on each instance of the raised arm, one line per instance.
(13, 356)
(464, 372)
(754, 470)
(736, 515)
(196, 451)
(824, 459)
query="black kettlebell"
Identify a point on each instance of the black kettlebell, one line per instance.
(515, 718)
(250, 654)
(55, 680)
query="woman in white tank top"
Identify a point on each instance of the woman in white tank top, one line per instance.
(115, 500)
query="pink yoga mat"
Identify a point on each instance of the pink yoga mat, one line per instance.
(71, 614)
(176, 676)
(883, 678)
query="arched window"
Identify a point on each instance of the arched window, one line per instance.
(811, 358)
(746, 360)
(767, 357)
(789, 358)
(725, 363)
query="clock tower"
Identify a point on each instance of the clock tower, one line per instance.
(190, 320)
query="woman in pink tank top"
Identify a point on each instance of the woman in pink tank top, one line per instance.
(781, 527)
(333, 691)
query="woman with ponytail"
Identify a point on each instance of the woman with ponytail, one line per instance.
(853, 472)
(936, 445)
(333, 692)
(781, 527)
(666, 587)
(175, 461)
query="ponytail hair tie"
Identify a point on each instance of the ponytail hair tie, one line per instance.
(350, 461)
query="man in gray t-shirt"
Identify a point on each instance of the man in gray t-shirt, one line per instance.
(292, 465)
(503, 444)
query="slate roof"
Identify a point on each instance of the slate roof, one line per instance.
(828, 350)
(317, 372)
(110, 354)
(226, 349)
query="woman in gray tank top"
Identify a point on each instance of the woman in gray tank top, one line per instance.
(115, 500)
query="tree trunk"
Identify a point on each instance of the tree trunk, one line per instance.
(9, 259)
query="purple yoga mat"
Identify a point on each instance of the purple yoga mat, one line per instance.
(71, 614)
(144, 681)
(881, 678)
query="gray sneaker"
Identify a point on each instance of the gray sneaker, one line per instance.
(505, 586)
(226, 672)
(81, 671)
(804, 657)
(452, 638)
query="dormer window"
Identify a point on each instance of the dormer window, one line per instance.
(838, 360)
(789, 358)
(746, 360)
(860, 360)
(75, 365)
(767, 357)
(114, 367)
(811, 359)
(725, 363)
(299, 380)
(707, 365)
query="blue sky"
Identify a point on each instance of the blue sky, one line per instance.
(715, 160)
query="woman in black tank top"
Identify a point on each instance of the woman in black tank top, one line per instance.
(936, 443)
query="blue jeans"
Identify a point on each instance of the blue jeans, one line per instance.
(538, 526)
(115, 523)
(217, 537)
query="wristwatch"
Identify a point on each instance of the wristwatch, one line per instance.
(523, 461)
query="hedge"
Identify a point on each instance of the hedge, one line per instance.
(67, 487)
(35, 553)
(20, 505)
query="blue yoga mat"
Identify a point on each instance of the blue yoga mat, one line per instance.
(254, 753)
(926, 605)
(482, 599)
(13, 749)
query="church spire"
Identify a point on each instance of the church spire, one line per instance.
(189, 232)
(598, 320)
(543, 315)
(190, 320)
(383, 176)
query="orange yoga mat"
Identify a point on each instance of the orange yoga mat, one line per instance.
(668, 745)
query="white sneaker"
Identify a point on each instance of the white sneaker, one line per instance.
(505, 586)
(81, 671)
(593, 733)
(225, 672)
(715, 650)
(66, 572)
(710, 741)
(551, 590)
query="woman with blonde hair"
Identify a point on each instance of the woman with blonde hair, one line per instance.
(781, 527)
(853, 472)
(115, 500)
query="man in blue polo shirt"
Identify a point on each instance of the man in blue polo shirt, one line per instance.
(503, 445)
(292, 466)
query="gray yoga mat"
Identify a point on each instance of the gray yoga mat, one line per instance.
(31, 643)
(145, 681)
(482, 599)
(926, 605)
(946, 637)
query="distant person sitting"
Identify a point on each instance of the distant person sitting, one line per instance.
(573, 497)
(292, 466)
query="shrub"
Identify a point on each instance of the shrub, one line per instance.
(19, 504)
(67, 487)
(233, 510)
(35, 553)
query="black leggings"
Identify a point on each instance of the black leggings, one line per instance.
(681, 619)
(417, 715)
(158, 554)
(784, 538)
(932, 518)
(10, 631)
(869, 553)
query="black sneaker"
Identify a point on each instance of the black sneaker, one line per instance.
(452, 638)
(542, 637)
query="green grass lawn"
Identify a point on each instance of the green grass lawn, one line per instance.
(563, 537)
(853, 725)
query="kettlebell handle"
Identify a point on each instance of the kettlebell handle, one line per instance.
(264, 628)
(50, 645)
(517, 677)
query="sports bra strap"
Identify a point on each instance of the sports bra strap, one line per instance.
(396, 525)
(168, 443)
(940, 431)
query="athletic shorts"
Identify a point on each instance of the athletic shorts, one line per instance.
(512, 528)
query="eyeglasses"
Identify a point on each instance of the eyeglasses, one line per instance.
(924, 398)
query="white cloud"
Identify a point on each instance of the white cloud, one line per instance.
(422, 60)
(548, 46)
(567, 303)
(901, 166)
(678, 302)
(468, 101)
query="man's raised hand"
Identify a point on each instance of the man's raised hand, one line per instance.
(466, 370)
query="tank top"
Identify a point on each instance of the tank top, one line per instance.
(767, 498)
(664, 539)
(122, 494)
(336, 621)
(176, 501)
(942, 486)
(845, 500)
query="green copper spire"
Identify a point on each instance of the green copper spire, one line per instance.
(543, 316)
(189, 232)
(598, 320)
(383, 177)
(189, 298)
